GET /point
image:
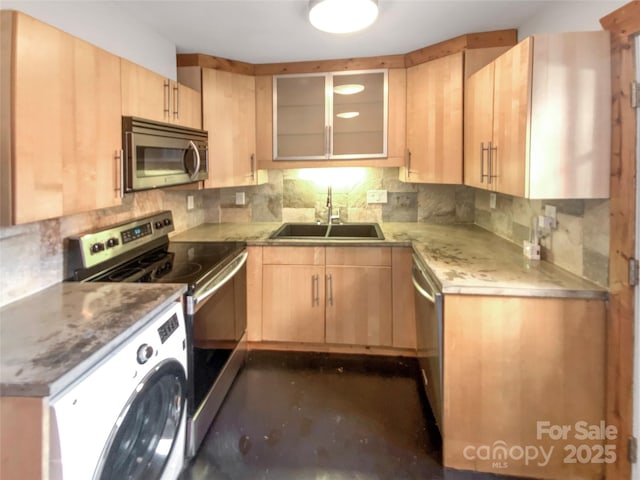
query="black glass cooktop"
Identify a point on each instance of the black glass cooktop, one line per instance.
(174, 262)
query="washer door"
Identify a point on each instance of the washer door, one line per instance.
(145, 433)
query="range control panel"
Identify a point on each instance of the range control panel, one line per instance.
(104, 244)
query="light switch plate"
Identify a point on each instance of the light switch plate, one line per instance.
(376, 196)
(240, 198)
(190, 202)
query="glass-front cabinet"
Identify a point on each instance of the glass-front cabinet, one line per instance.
(339, 115)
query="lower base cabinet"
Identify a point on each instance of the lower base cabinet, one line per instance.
(331, 295)
(524, 386)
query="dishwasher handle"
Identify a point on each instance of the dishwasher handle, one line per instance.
(433, 291)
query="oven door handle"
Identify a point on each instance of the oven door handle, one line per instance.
(216, 283)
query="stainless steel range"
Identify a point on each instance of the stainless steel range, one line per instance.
(215, 304)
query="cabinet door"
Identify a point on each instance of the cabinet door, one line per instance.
(92, 174)
(145, 94)
(301, 117)
(63, 130)
(359, 113)
(478, 127)
(512, 96)
(358, 305)
(293, 303)
(434, 121)
(228, 104)
(186, 106)
(42, 95)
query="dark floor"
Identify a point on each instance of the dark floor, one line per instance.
(318, 416)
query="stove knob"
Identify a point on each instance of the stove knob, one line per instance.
(145, 352)
(167, 221)
(159, 224)
(97, 247)
(112, 242)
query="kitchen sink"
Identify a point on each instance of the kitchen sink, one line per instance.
(342, 231)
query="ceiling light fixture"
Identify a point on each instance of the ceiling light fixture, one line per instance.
(342, 16)
(348, 89)
(348, 114)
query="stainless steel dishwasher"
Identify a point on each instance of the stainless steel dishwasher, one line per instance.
(429, 334)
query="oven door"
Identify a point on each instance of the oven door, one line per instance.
(154, 161)
(219, 322)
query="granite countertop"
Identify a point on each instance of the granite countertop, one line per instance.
(464, 258)
(49, 339)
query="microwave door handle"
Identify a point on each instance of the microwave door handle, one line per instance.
(197, 168)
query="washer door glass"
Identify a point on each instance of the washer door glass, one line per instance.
(145, 433)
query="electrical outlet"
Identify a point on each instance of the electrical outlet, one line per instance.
(376, 196)
(550, 211)
(492, 200)
(240, 198)
(190, 202)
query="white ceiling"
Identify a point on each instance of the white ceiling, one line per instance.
(268, 31)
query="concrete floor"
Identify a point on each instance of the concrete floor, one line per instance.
(317, 416)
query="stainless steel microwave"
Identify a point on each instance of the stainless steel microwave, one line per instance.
(160, 154)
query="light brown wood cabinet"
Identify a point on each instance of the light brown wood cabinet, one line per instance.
(537, 119)
(358, 301)
(435, 98)
(395, 135)
(149, 95)
(60, 111)
(332, 295)
(434, 121)
(510, 363)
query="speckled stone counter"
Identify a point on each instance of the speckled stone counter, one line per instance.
(49, 339)
(465, 259)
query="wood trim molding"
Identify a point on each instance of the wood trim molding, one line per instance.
(497, 38)
(623, 23)
(215, 63)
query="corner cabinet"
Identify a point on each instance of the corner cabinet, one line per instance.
(435, 97)
(537, 119)
(61, 123)
(148, 95)
(229, 117)
(340, 115)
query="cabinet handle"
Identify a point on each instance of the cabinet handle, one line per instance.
(491, 161)
(176, 101)
(330, 288)
(327, 141)
(482, 150)
(167, 98)
(253, 166)
(315, 288)
(408, 162)
(119, 157)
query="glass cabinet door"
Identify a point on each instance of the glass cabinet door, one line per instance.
(300, 117)
(341, 115)
(359, 115)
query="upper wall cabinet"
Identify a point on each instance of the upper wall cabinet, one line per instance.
(435, 115)
(330, 116)
(232, 133)
(538, 119)
(61, 123)
(151, 96)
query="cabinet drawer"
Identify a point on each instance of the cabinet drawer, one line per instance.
(363, 256)
(293, 256)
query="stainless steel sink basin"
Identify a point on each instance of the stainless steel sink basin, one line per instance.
(343, 231)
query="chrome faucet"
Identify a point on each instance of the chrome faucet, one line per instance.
(329, 206)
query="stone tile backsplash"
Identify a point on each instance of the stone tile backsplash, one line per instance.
(580, 243)
(32, 256)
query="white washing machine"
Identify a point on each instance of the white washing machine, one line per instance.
(126, 418)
